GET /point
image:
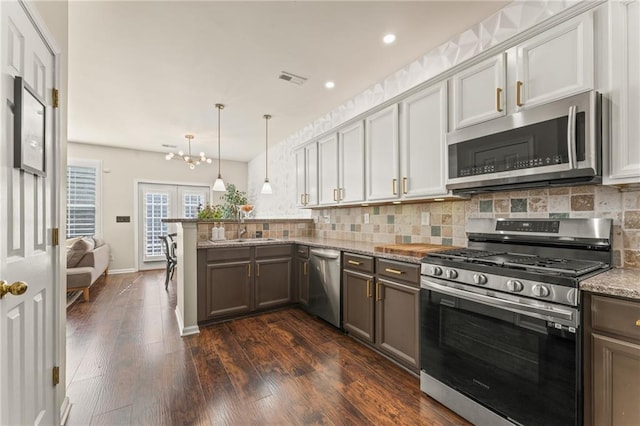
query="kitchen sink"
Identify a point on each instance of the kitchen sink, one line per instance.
(244, 240)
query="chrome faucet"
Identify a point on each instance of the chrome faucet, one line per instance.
(241, 231)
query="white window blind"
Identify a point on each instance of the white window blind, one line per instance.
(82, 200)
(156, 209)
(191, 204)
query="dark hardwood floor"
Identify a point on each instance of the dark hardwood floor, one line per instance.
(127, 364)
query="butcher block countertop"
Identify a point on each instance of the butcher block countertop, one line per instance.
(410, 249)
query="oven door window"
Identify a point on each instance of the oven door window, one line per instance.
(521, 367)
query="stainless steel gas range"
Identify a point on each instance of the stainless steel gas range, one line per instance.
(500, 334)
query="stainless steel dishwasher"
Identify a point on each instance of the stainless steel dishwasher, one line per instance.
(324, 285)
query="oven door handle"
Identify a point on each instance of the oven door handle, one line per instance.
(499, 303)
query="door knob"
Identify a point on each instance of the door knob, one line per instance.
(17, 288)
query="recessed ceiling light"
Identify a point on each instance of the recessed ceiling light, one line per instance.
(329, 85)
(389, 38)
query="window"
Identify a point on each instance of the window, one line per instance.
(192, 202)
(156, 209)
(83, 196)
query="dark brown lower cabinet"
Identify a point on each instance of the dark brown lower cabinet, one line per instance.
(234, 281)
(358, 305)
(383, 309)
(397, 319)
(612, 348)
(302, 275)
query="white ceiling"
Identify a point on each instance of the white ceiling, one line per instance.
(142, 74)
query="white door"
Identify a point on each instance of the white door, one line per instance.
(478, 93)
(554, 64)
(311, 174)
(157, 202)
(28, 211)
(328, 170)
(422, 147)
(301, 184)
(351, 169)
(381, 130)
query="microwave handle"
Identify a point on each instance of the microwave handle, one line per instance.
(571, 137)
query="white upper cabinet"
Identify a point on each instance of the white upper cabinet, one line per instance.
(382, 166)
(422, 145)
(351, 164)
(479, 92)
(555, 64)
(307, 175)
(552, 65)
(624, 60)
(328, 170)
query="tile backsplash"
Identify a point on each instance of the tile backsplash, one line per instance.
(267, 228)
(444, 222)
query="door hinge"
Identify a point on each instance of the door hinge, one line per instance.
(56, 375)
(55, 98)
(55, 237)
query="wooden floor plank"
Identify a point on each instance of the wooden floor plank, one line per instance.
(128, 364)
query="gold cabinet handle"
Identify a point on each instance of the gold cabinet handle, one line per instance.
(306, 199)
(518, 93)
(354, 262)
(638, 323)
(393, 186)
(249, 270)
(302, 199)
(394, 271)
(378, 298)
(404, 185)
(257, 270)
(368, 288)
(341, 194)
(498, 99)
(17, 288)
(305, 268)
(335, 194)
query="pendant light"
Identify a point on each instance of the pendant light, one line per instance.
(219, 183)
(266, 188)
(191, 161)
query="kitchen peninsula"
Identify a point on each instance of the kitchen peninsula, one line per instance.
(193, 235)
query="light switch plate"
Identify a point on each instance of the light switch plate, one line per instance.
(366, 218)
(426, 218)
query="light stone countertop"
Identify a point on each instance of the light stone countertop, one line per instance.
(357, 247)
(622, 282)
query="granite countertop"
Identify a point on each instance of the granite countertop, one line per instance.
(357, 247)
(621, 282)
(247, 220)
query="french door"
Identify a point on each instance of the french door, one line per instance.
(157, 202)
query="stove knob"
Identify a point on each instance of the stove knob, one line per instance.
(514, 286)
(479, 279)
(452, 274)
(540, 290)
(435, 270)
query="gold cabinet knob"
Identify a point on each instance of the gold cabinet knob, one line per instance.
(17, 288)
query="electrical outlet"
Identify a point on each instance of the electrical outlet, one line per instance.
(327, 219)
(426, 218)
(366, 218)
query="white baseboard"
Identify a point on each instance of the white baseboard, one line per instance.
(65, 409)
(121, 271)
(185, 331)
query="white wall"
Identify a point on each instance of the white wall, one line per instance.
(122, 168)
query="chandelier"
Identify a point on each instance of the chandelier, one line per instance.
(191, 161)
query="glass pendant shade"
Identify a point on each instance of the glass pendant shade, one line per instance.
(218, 185)
(266, 187)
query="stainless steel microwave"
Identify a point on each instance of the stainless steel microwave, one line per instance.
(555, 144)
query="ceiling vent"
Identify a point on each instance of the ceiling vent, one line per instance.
(292, 78)
(169, 146)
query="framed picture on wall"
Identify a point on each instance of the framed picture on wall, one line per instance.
(29, 114)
